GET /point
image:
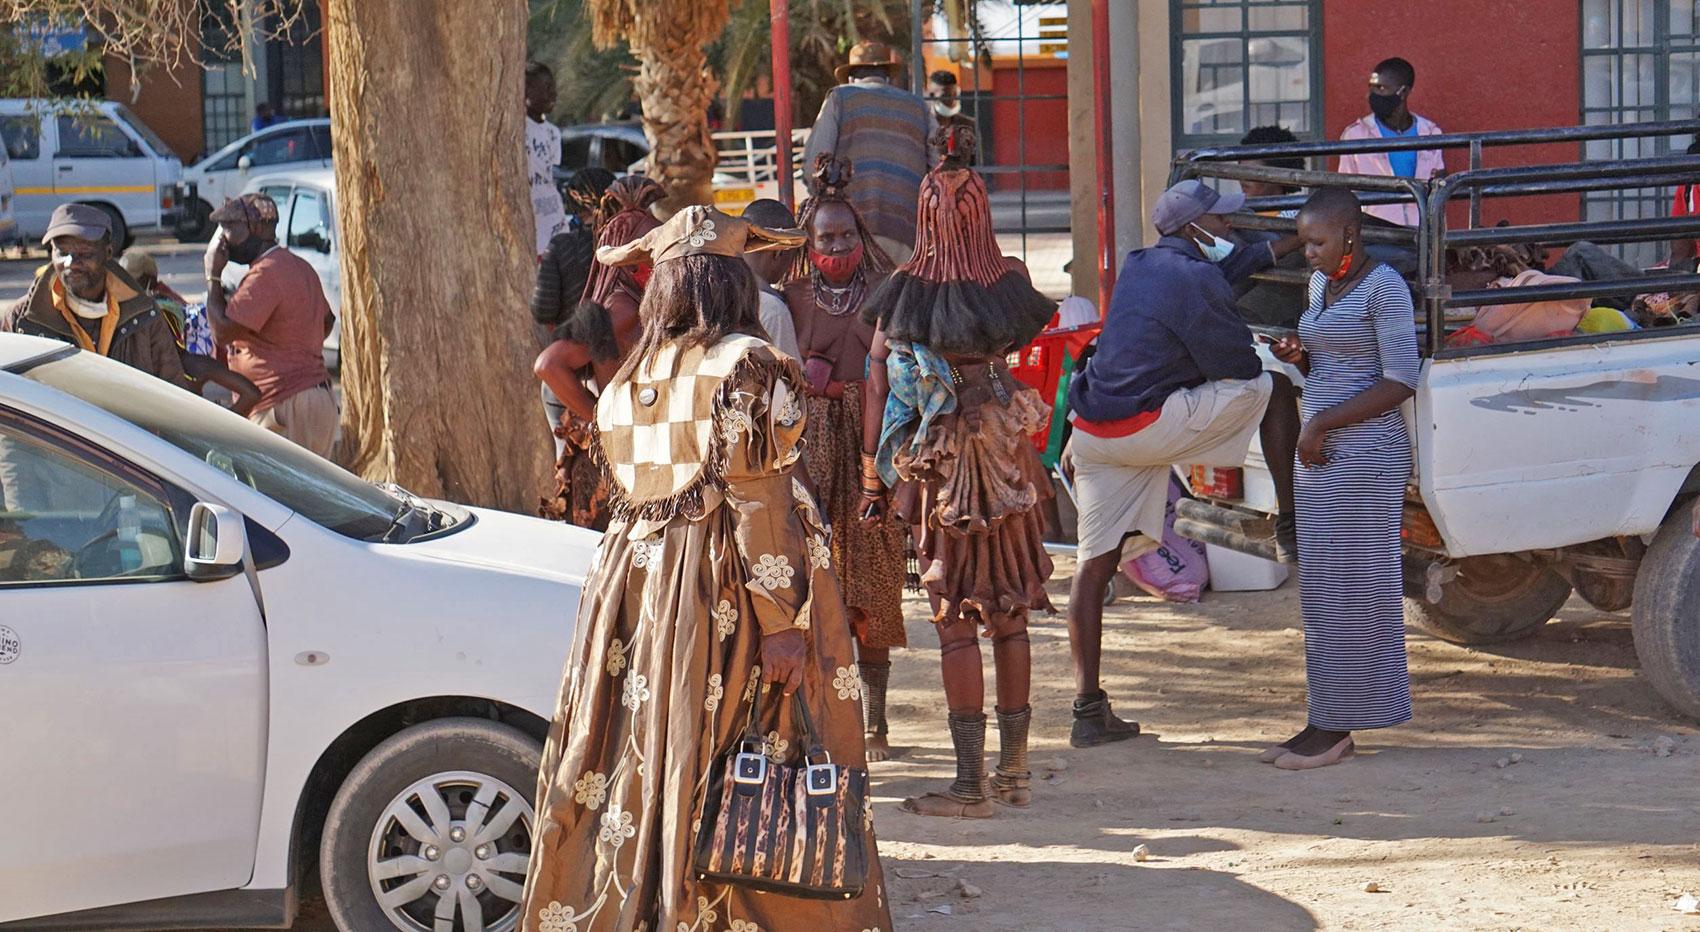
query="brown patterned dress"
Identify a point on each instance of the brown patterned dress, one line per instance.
(868, 559)
(713, 543)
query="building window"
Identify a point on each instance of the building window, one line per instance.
(1640, 59)
(1238, 64)
(224, 89)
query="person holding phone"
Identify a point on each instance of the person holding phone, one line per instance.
(1357, 346)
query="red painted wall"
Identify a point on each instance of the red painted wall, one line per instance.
(1516, 67)
(1046, 129)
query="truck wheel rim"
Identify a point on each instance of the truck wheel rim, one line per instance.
(449, 852)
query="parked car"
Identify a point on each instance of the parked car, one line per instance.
(100, 154)
(225, 661)
(744, 172)
(306, 226)
(298, 144)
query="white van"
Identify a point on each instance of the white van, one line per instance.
(98, 153)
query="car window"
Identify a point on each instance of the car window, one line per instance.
(228, 163)
(619, 154)
(141, 128)
(575, 152)
(314, 488)
(23, 136)
(278, 148)
(278, 193)
(308, 226)
(93, 136)
(321, 141)
(64, 519)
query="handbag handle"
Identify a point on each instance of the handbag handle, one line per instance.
(804, 720)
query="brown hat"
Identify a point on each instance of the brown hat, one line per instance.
(699, 231)
(869, 54)
(257, 210)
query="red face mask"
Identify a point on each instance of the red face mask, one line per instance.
(837, 269)
(641, 274)
(1345, 267)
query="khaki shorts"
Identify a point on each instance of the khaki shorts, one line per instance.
(1121, 484)
(308, 418)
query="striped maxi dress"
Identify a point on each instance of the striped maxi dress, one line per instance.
(1349, 511)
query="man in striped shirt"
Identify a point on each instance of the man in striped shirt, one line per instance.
(884, 131)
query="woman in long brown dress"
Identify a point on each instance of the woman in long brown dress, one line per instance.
(950, 434)
(589, 348)
(831, 280)
(712, 583)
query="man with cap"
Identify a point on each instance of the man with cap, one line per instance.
(1176, 379)
(274, 325)
(884, 131)
(85, 298)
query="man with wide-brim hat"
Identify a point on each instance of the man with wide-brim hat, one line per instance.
(85, 298)
(884, 131)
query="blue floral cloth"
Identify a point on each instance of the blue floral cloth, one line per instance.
(921, 390)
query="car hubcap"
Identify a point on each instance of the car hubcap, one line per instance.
(449, 852)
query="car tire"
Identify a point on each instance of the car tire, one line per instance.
(121, 238)
(1492, 600)
(369, 831)
(196, 225)
(1666, 619)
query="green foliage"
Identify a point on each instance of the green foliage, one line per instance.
(592, 84)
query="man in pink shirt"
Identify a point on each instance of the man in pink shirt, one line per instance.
(1389, 102)
(274, 325)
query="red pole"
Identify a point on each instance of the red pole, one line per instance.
(781, 21)
(1106, 169)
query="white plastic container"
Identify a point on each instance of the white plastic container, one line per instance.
(1232, 571)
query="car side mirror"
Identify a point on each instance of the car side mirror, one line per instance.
(321, 240)
(245, 162)
(217, 544)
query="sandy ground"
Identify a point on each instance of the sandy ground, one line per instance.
(1527, 794)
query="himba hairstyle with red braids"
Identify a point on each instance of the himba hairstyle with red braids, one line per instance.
(832, 182)
(626, 216)
(958, 294)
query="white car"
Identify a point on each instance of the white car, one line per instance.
(224, 660)
(297, 144)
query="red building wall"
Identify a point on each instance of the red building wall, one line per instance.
(1046, 128)
(169, 103)
(1517, 67)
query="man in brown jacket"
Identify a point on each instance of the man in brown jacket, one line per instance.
(84, 298)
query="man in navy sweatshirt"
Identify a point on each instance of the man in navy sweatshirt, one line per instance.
(1176, 379)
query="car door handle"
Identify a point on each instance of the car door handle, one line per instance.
(64, 168)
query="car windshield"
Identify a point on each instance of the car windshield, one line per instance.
(318, 490)
(155, 143)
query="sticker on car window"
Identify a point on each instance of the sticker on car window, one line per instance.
(10, 645)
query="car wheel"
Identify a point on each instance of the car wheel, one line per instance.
(1492, 600)
(121, 238)
(196, 225)
(432, 830)
(1667, 614)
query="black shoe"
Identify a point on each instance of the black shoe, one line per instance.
(1287, 538)
(1095, 723)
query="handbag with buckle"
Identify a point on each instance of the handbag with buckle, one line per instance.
(792, 829)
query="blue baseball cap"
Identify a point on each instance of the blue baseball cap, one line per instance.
(1189, 200)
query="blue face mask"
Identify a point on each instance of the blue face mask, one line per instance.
(1217, 249)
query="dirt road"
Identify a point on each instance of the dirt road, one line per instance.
(1529, 793)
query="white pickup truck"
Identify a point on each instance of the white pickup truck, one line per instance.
(1546, 468)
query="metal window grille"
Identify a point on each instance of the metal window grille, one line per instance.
(224, 89)
(1239, 64)
(1640, 61)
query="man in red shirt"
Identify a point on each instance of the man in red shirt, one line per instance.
(274, 325)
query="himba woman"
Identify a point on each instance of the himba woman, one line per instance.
(712, 584)
(828, 286)
(948, 430)
(589, 348)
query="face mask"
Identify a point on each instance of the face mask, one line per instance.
(641, 274)
(250, 249)
(837, 268)
(1383, 105)
(87, 310)
(1345, 267)
(1217, 249)
(945, 109)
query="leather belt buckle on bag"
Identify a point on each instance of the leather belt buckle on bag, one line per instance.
(749, 769)
(822, 779)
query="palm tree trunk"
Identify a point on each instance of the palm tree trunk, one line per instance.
(438, 252)
(676, 89)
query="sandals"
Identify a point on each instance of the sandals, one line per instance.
(947, 806)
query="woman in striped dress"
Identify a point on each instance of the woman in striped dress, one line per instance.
(1358, 348)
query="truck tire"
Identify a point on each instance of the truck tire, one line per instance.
(1667, 614)
(1492, 600)
(466, 784)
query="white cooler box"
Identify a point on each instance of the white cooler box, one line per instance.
(1232, 571)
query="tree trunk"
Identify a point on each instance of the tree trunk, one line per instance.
(676, 88)
(426, 104)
